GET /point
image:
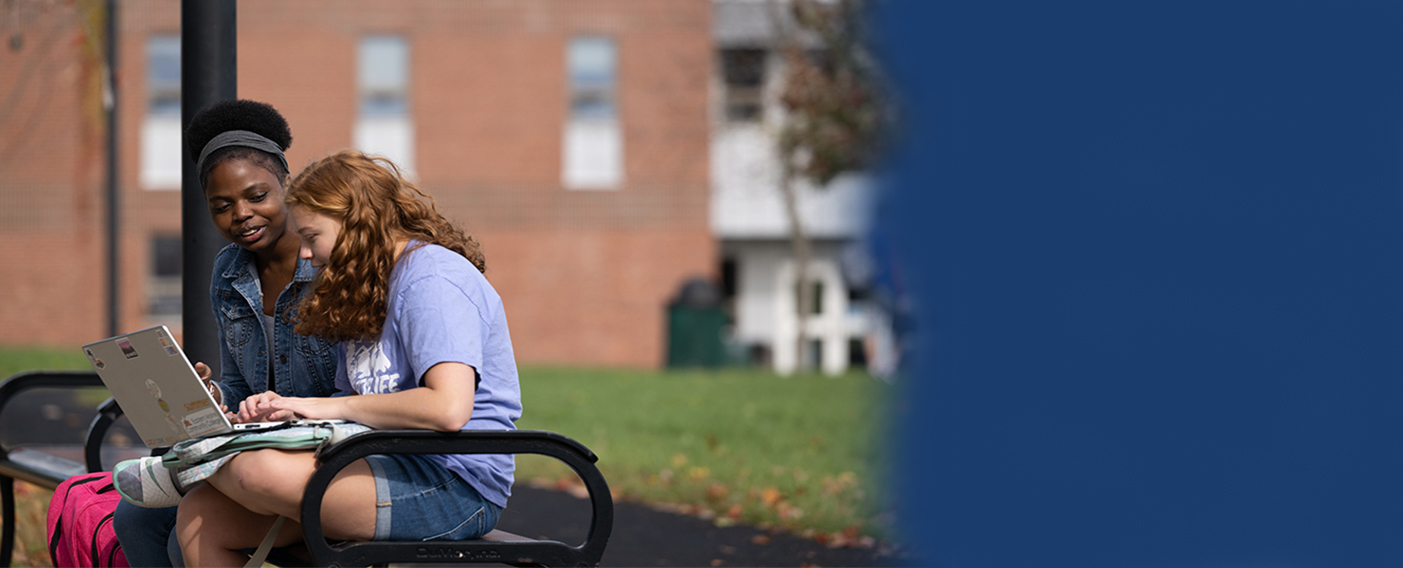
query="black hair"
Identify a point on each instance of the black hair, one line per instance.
(238, 114)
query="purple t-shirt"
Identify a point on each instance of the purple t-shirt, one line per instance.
(441, 309)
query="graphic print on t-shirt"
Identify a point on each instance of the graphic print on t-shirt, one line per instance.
(369, 368)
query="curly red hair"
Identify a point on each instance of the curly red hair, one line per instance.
(377, 208)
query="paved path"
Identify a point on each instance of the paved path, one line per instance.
(644, 536)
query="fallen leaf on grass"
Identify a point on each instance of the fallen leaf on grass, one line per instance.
(760, 539)
(770, 496)
(789, 512)
(717, 492)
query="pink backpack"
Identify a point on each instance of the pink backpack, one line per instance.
(80, 522)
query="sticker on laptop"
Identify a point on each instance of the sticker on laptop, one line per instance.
(127, 349)
(166, 343)
(94, 359)
(204, 421)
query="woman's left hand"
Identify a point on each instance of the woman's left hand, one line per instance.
(323, 408)
(261, 408)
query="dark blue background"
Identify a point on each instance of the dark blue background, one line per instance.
(1158, 260)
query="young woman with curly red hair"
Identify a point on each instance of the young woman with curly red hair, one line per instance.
(424, 344)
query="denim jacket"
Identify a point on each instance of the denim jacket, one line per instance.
(303, 365)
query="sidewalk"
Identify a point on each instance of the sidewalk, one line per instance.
(643, 536)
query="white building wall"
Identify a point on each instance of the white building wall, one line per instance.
(748, 215)
(765, 304)
(827, 327)
(746, 202)
(757, 290)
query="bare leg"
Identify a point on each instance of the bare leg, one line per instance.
(235, 509)
(213, 529)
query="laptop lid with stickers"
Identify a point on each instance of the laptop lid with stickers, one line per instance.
(156, 386)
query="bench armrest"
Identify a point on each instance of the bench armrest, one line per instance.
(107, 413)
(27, 380)
(548, 553)
(34, 466)
(18, 383)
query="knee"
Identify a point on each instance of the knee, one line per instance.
(268, 473)
(250, 471)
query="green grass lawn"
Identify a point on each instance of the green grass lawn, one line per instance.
(803, 453)
(14, 359)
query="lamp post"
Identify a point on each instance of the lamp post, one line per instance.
(208, 74)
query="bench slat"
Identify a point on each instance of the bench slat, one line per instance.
(504, 536)
(40, 468)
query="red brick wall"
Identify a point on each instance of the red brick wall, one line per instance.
(585, 274)
(51, 166)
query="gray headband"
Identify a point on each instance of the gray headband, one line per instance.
(240, 138)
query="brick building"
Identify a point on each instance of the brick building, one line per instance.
(569, 136)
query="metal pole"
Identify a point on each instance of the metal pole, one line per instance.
(114, 208)
(208, 74)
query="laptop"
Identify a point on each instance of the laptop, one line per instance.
(158, 389)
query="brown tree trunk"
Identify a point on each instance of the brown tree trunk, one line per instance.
(802, 253)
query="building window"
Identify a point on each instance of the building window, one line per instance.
(163, 289)
(743, 71)
(592, 67)
(161, 149)
(593, 153)
(384, 126)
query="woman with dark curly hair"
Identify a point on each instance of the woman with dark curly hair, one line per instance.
(424, 344)
(256, 289)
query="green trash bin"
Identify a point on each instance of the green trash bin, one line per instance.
(695, 322)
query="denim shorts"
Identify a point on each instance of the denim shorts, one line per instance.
(418, 499)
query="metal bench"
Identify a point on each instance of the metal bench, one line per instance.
(43, 467)
(48, 470)
(495, 547)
